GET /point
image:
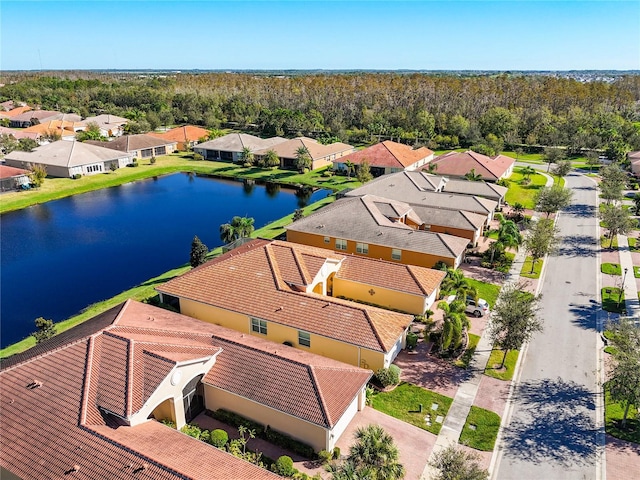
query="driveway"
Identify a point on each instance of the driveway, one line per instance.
(415, 444)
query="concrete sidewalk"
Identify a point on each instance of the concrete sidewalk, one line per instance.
(630, 287)
(466, 393)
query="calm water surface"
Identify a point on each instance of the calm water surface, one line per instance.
(61, 256)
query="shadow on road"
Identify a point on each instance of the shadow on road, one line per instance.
(584, 315)
(560, 425)
(580, 210)
(577, 245)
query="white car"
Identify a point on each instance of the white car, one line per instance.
(477, 309)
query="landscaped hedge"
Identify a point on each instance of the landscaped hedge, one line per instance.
(266, 433)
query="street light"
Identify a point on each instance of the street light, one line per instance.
(624, 278)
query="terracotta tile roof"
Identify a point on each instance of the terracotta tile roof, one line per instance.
(252, 282)
(61, 127)
(460, 163)
(8, 172)
(186, 133)
(389, 155)
(393, 276)
(131, 143)
(360, 219)
(17, 111)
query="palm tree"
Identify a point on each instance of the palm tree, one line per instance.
(239, 227)
(455, 320)
(303, 158)
(518, 209)
(271, 159)
(472, 176)
(432, 167)
(374, 450)
(457, 283)
(509, 234)
(527, 172)
(247, 156)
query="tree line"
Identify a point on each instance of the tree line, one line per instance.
(440, 111)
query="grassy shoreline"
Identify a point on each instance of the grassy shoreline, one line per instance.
(57, 188)
(146, 289)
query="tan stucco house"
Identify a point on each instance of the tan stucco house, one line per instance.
(139, 146)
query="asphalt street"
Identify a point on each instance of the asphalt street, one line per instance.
(552, 431)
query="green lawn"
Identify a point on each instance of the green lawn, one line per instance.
(558, 181)
(526, 268)
(404, 403)
(611, 269)
(636, 271)
(146, 290)
(634, 246)
(605, 242)
(495, 359)
(488, 291)
(524, 194)
(54, 188)
(612, 299)
(463, 361)
(614, 411)
(486, 424)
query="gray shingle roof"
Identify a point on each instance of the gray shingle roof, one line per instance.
(65, 153)
(450, 218)
(130, 143)
(236, 142)
(481, 189)
(358, 219)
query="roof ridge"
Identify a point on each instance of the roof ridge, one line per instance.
(73, 145)
(446, 244)
(275, 269)
(323, 404)
(131, 350)
(374, 329)
(413, 275)
(302, 267)
(87, 379)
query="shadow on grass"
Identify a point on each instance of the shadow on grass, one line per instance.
(578, 246)
(554, 423)
(585, 315)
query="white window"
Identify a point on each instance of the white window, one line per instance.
(396, 254)
(304, 338)
(327, 239)
(362, 248)
(259, 326)
(341, 244)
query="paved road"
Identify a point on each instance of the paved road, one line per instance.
(552, 433)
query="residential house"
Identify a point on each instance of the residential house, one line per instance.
(275, 291)
(109, 125)
(34, 117)
(52, 128)
(321, 155)
(92, 393)
(12, 178)
(378, 228)
(7, 106)
(138, 146)
(186, 136)
(18, 134)
(487, 190)
(634, 161)
(229, 148)
(421, 188)
(458, 164)
(66, 159)
(15, 111)
(387, 157)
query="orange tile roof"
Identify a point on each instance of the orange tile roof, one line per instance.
(388, 155)
(186, 133)
(17, 111)
(56, 126)
(253, 280)
(460, 163)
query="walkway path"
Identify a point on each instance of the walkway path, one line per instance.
(630, 288)
(466, 393)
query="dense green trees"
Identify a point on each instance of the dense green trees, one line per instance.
(440, 111)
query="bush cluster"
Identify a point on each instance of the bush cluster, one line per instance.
(389, 376)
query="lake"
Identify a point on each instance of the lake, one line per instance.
(61, 256)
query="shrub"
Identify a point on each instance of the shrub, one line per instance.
(168, 423)
(76, 176)
(388, 376)
(289, 443)
(325, 456)
(336, 453)
(197, 157)
(152, 160)
(205, 436)
(235, 420)
(412, 340)
(133, 164)
(219, 438)
(284, 466)
(191, 430)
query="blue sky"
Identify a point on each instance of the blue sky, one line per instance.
(424, 35)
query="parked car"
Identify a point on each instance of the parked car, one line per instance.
(477, 309)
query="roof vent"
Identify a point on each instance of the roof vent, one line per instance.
(279, 309)
(141, 468)
(34, 384)
(73, 469)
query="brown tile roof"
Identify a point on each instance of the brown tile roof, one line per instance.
(287, 149)
(186, 133)
(8, 172)
(460, 163)
(252, 281)
(28, 114)
(17, 111)
(61, 127)
(634, 156)
(388, 155)
(130, 143)
(56, 390)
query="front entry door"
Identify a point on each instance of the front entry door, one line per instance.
(193, 398)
